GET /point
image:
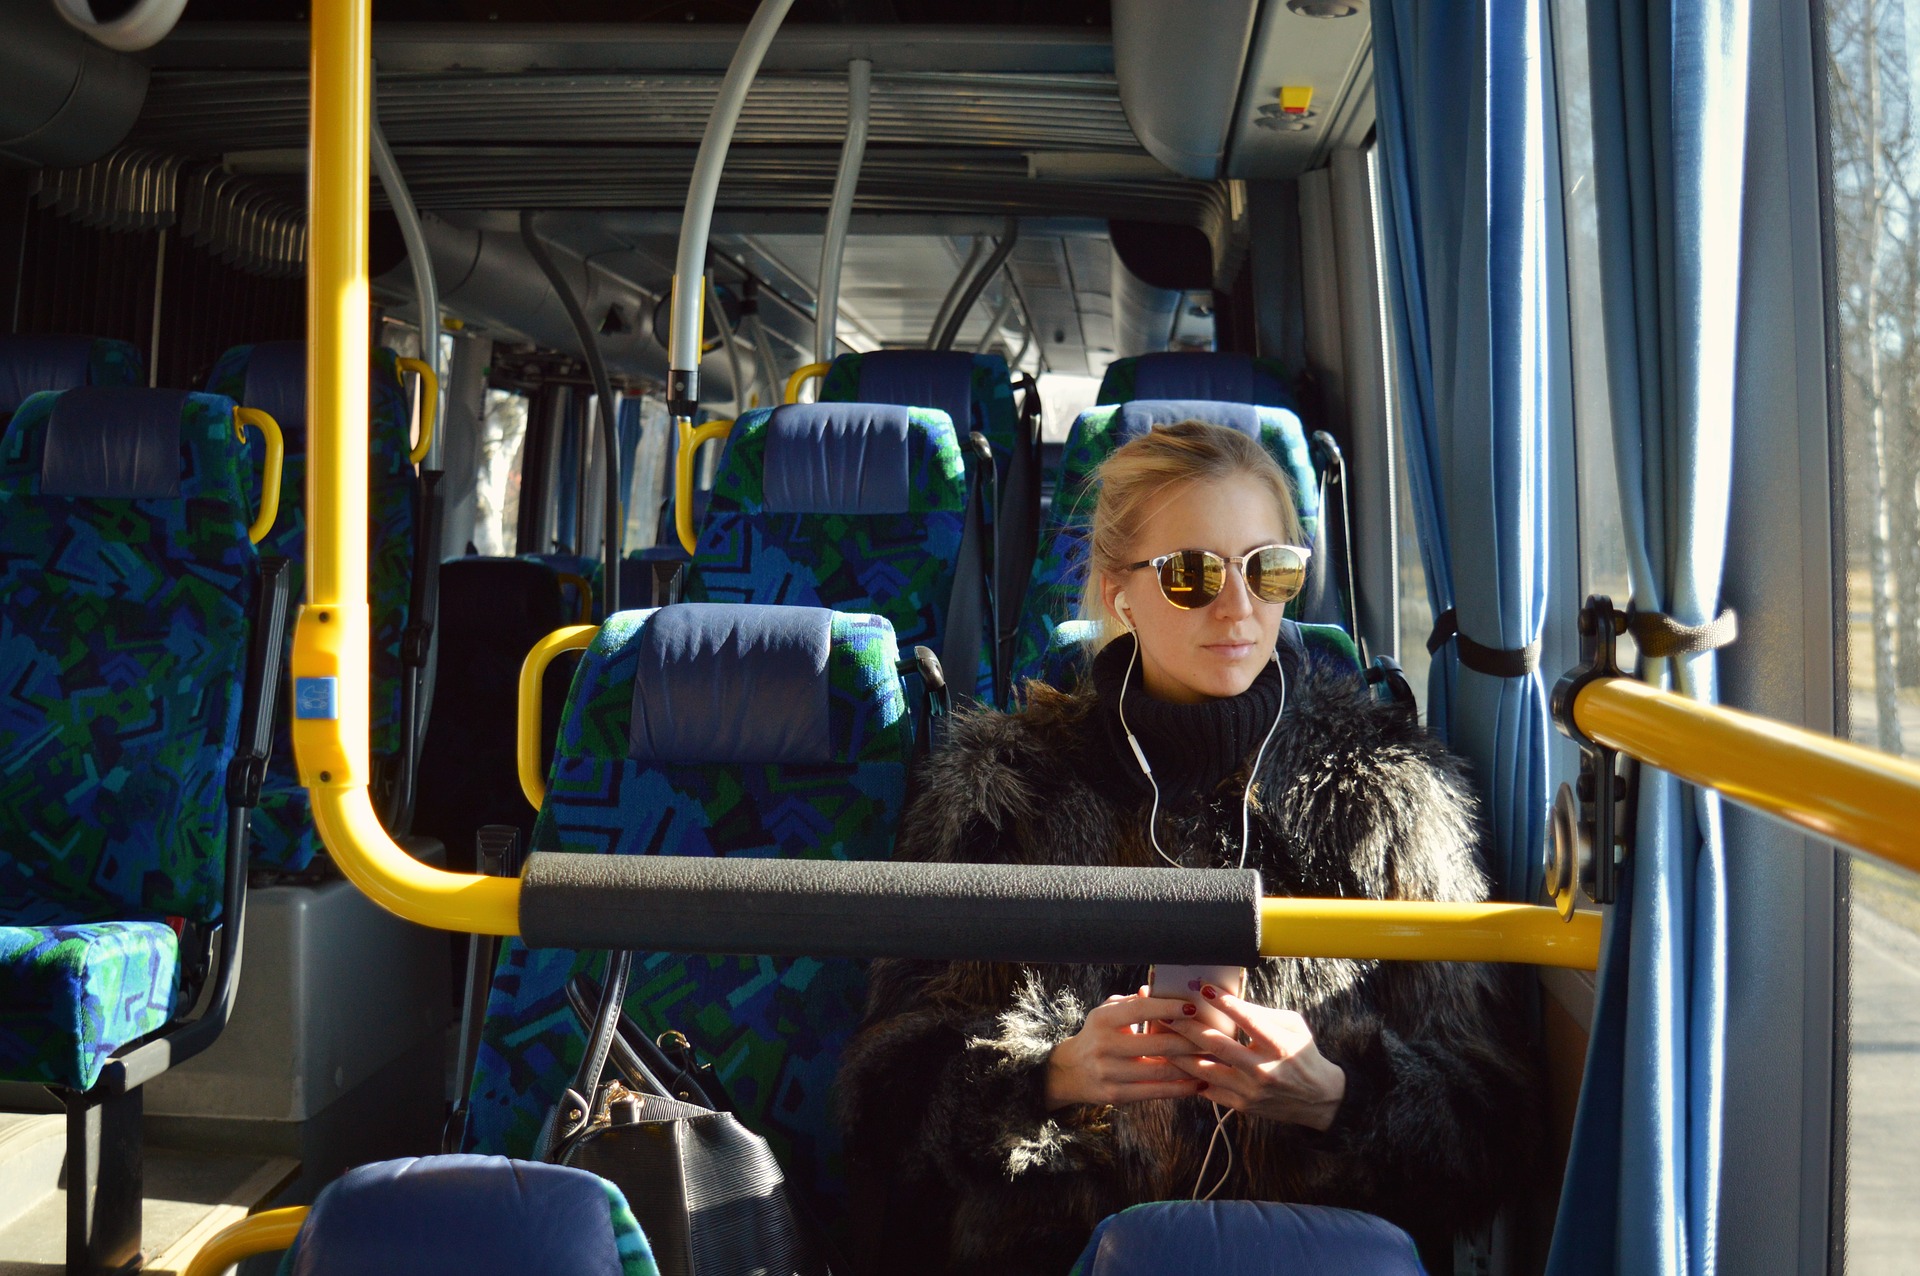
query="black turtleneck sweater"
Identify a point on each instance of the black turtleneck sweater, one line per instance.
(1194, 749)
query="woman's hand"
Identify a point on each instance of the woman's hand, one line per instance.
(1110, 1060)
(1279, 1074)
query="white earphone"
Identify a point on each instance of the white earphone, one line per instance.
(1122, 610)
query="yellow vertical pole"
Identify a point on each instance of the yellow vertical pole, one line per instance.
(331, 667)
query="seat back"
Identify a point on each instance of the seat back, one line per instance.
(1060, 569)
(854, 506)
(128, 579)
(974, 390)
(30, 365)
(461, 1215)
(492, 612)
(272, 376)
(769, 732)
(1219, 377)
(1247, 1238)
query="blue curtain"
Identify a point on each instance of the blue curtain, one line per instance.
(1669, 118)
(1463, 160)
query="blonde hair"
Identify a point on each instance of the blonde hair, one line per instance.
(1131, 481)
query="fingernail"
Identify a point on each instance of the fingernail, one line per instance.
(1189, 1009)
(1208, 992)
(1201, 1085)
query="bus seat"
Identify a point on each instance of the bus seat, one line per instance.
(492, 612)
(976, 392)
(1246, 1238)
(703, 729)
(855, 506)
(128, 580)
(584, 567)
(469, 1216)
(272, 376)
(1217, 376)
(1060, 569)
(29, 365)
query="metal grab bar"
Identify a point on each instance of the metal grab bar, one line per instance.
(264, 1233)
(429, 404)
(1852, 795)
(270, 472)
(533, 782)
(801, 376)
(691, 437)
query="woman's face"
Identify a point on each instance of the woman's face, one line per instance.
(1217, 650)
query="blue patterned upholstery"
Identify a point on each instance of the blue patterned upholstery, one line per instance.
(122, 647)
(773, 1028)
(974, 390)
(1060, 570)
(30, 365)
(1224, 377)
(896, 565)
(272, 376)
(70, 995)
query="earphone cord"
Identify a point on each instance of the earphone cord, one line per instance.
(1220, 1118)
(1246, 795)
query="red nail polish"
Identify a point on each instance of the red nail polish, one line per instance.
(1189, 1009)
(1208, 992)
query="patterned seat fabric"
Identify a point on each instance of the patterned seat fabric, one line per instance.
(1060, 570)
(30, 365)
(1221, 377)
(974, 390)
(122, 649)
(272, 376)
(774, 1029)
(890, 552)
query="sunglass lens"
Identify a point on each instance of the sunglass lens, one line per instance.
(1192, 578)
(1276, 574)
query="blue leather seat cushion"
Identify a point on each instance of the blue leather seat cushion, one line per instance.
(71, 994)
(732, 685)
(113, 444)
(1141, 415)
(277, 385)
(940, 379)
(471, 1215)
(1246, 1238)
(837, 458)
(29, 365)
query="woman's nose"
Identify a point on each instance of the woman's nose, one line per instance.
(1235, 599)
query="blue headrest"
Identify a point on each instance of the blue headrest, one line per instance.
(1229, 378)
(277, 385)
(837, 458)
(922, 379)
(29, 365)
(723, 683)
(459, 1214)
(119, 443)
(1138, 416)
(1247, 1238)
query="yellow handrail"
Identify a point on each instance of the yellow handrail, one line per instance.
(429, 401)
(533, 782)
(583, 590)
(270, 473)
(264, 1233)
(800, 378)
(1394, 930)
(1856, 796)
(691, 437)
(331, 635)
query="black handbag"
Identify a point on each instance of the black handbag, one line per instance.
(707, 1191)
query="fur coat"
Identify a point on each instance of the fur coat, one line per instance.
(953, 1161)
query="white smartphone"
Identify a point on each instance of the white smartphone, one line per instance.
(1185, 982)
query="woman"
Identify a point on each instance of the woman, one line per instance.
(995, 1114)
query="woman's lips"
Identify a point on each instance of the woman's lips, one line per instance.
(1229, 650)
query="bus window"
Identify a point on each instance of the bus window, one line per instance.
(503, 435)
(646, 429)
(1875, 166)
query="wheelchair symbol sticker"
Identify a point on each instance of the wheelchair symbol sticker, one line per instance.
(316, 698)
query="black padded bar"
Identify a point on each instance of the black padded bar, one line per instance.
(946, 912)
